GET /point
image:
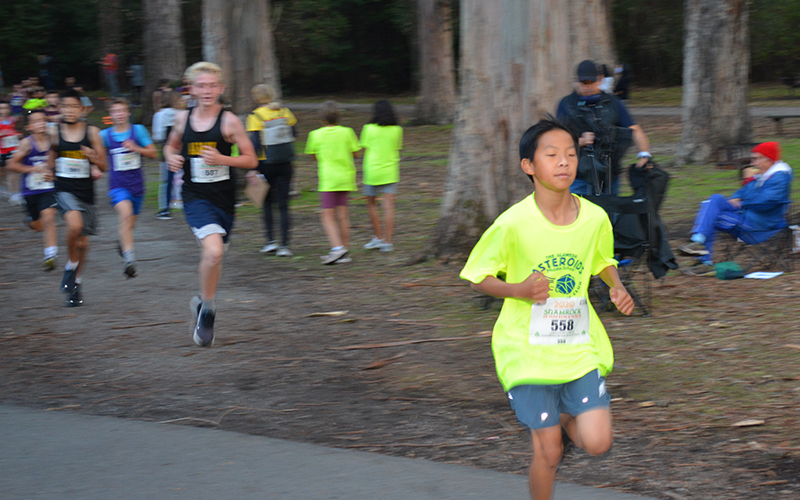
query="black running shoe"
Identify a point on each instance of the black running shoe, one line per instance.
(75, 298)
(130, 269)
(68, 282)
(204, 331)
(163, 215)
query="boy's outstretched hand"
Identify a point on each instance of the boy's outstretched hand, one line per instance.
(621, 299)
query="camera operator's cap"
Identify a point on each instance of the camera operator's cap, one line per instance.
(771, 150)
(587, 70)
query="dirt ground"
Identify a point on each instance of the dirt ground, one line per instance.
(405, 367)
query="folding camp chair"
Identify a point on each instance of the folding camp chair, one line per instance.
(630, 218)
(769, 250)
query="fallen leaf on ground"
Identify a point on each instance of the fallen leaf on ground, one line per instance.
(748, 423)
(331, 313)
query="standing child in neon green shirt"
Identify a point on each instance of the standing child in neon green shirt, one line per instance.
(382, 140)
(550, 348)
(334, 147)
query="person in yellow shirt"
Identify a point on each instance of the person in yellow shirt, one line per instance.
(551, 351)
(272, 130)
(334, 147)
(382, 140)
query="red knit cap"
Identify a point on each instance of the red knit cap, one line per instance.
(771, 150)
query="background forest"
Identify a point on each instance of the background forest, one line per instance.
(365, 45)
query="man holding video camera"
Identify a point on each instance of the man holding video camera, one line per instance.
(605, 130)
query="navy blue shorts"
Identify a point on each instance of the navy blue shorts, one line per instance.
(540, 406)
(205, 219)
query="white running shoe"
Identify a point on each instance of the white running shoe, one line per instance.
(375, 243)
(270, 247)
(386, 247)
(333, 256)
(284, 252)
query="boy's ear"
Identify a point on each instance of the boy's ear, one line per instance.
(527, 166)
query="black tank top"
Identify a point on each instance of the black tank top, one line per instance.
(70, 174)
(216, 184)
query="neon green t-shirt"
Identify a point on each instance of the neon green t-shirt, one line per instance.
(382, 145)
(520, 241)
(334, 146)
(255, 121)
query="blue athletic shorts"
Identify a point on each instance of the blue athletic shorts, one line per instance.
(117, 195)
(375, 190)
(205, 219)
(540, 406)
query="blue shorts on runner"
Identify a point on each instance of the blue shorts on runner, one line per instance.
(117, 195)
(205, 219)
(540, 406)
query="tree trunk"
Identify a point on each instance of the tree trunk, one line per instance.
(110, 19)
(237, 35)
(437, 100)
(518, 58)
(164, 52)
(715, 71)
(110, 26)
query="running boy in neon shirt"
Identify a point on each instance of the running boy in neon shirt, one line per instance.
(200, 145)
(78, 158)
(126, 144)
(30, 159)
(550, 348)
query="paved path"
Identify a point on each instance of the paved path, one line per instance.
(63, 456)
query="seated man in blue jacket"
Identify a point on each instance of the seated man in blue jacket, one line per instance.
(753, 214)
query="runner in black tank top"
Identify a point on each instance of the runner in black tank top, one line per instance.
(82, 188)
(221, 193)
(209, 189)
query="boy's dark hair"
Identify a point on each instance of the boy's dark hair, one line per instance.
(70, 93)
(529, 141)
(383, 113)
(330, 112)
(33, 112)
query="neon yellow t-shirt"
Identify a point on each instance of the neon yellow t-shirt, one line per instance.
(334, 146)
(520, 241)
(255, 121)
(382, 145)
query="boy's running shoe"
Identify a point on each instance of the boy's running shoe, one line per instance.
(374, 243)
(204, 330)
(130, 269)
(68, 282)
(270, 247)
(386, 247)
(49, 263)
(344, 260)
(163, 215)
(75, 298)
(284, 252)
(202, 326)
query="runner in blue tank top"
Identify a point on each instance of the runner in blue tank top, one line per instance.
(200, 145)
(37, 188)
(126, 144)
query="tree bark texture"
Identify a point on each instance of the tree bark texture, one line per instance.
(437, 99)
(110, 20)
(518, 58)
(715, 74)
(237, 35)
(164, 52)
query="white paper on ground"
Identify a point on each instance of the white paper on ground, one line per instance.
(762, 275)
